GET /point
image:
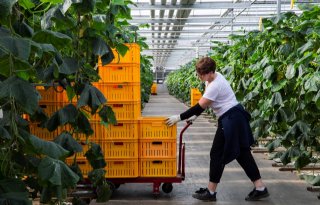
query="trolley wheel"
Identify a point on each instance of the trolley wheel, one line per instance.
(167, 187)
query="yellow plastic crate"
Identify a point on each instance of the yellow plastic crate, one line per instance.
(115, 168)
(83, 164)
(122, 168)
(43, 133)
(120, 149)
(154, 89)
(123, 130)
(132, 55)
(97, 127)
(119, 73)
(115, 92)
(156, 128)
(158, 167)
(124, 110)
(51, 94)
(157, 148)
(124, 149)
(195, 96)
(50, 108)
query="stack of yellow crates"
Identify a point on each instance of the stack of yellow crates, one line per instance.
(120, 84)
(157, 148)
(195, 96)
(135, 146)
(154, 89)
(51, 100)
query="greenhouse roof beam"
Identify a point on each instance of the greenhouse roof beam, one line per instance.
(179, 14)
(191, 31)
(202, 5)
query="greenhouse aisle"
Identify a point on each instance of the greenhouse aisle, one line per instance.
(284, 187)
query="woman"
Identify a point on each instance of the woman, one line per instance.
(233, 137)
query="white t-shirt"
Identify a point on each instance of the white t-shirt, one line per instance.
(221, 94)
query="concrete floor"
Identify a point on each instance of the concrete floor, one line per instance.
(284, 187)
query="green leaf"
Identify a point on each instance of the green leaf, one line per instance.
(20, 90)
(276, 99)
(56, 172)
(313, 82)
(57, 39)
(18, 47)
(97, 176)
(285, 159)
(103, 193)
(99, 23)
(273, 145)
(48, 148)
(92, 97)
(67, 114)
(23, 29)
(6, 8)
(251, 95)
(69, 66)
(279, 85)
(107, 58)
(15, 198)
(86, 6)
(302, 161)
(70, 93)
(118, 2)
(84, 124)
(312, 179)
(316, 99)
(268, 71)
(122, 49)
(308, 46)
(66, 141)
(4, 134)
(107, 115)
(26, 4)
(100, 48)
(95, 156)
(52, 1)
(291, 71)
(12, 185)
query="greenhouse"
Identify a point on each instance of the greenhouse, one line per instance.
(156, 101)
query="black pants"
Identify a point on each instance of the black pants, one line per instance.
(245, 159)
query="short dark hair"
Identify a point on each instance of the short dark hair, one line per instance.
(205, 65)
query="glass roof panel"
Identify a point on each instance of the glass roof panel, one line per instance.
(190, 35)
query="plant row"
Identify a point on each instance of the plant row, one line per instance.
(56, 42)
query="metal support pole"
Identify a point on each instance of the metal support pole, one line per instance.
(278, 8)
(197, 52)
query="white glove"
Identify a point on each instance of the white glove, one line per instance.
(173, 120)
(192, 119)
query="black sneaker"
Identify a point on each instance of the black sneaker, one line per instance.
(201, 190)
(255, 195)
(204, 195)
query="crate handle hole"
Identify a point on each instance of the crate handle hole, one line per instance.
(117, 105)
(157, 143)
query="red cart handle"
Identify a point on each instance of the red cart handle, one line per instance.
(180, 145)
